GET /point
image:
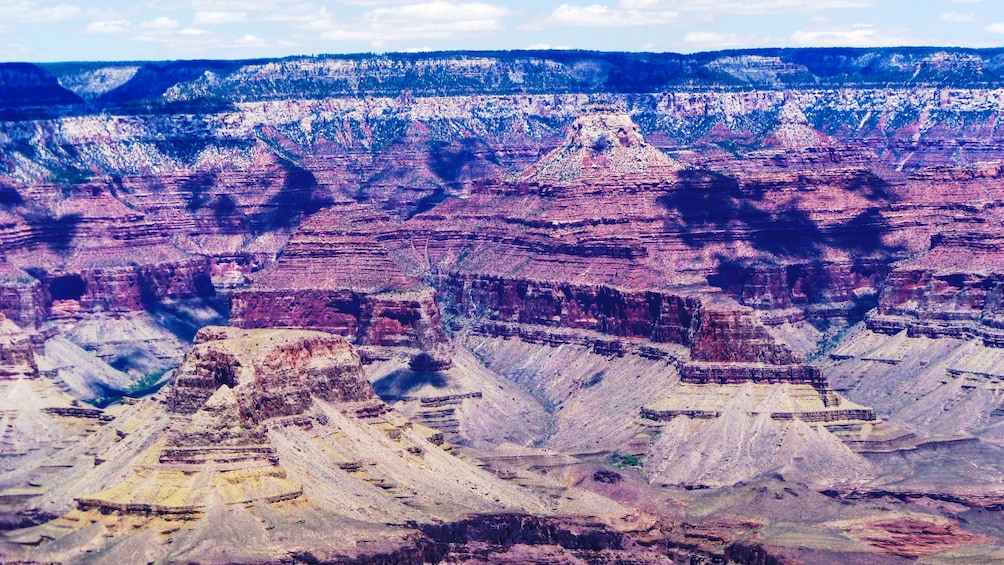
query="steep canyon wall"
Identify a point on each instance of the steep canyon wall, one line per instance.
(631, 195)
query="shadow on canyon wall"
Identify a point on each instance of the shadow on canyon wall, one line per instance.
(711, 207)
(298, 197)
(55, 233)
(10, 197)
(404, 381)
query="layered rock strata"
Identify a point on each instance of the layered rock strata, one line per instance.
(584, 258)
(952, 290)
(775, 200)
(243, 407)
(239, 442)
(17, 353)
(787, 428)
(782, 154)
(232, 383)
(572, 267)
(22, 298)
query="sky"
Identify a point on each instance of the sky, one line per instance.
(115, 30)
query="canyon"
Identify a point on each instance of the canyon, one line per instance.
(504, 307)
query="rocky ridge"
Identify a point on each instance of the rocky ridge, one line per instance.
(275, 426)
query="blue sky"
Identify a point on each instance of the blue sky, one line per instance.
(72, 30)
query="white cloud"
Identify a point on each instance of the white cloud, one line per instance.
(711, 40)
(372, 3)
(111, 27)
(743, 7)
(439, 11)
(628, 13)
(27, 11)
(599, 15)
(192, 40)
(856, 36)
(427, 20)
(215, 18)
(639, 4)
(169, 33)
(59, 13)
(305, 17)
(545, 47)
(220, 5)
(959, 17)
(14, 51)
(162, 23)
(996, 27)
(250, 41)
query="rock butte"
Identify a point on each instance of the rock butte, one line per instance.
(512, 307)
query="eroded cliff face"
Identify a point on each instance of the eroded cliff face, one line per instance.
(577, 251)
(271, 374)
(596, 254)
(17, 355)
(206, 161)
(266, 431)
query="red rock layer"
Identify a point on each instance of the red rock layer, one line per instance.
(336, 275)
(734, 336)
(742, 372)
(409, 319)
(131, 288)
(17, 354)
(657, 316)
(99, 255)
(913, 538)
(602, 249)
(348, 253)
(22, 297)
(272, 374)
(780, 177)
(955, 289)
(820, 288)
